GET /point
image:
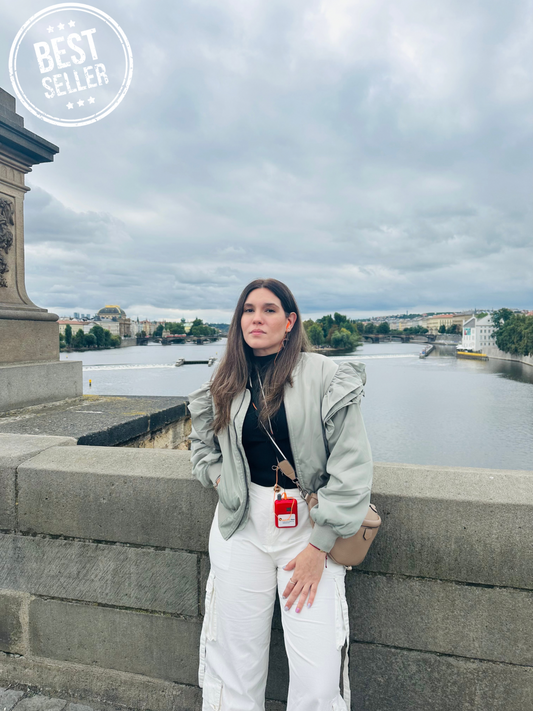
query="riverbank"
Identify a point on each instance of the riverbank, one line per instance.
(496, 354)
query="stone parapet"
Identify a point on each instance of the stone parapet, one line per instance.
(27, 384)
(103, 570)
(105, 420)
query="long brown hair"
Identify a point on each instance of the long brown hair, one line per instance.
(236, 365)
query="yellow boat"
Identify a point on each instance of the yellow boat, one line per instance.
(472, 354)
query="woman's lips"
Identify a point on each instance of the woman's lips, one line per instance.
(256, 332)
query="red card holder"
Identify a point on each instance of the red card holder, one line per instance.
(286, 513)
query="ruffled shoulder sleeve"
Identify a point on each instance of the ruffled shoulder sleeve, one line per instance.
(202, 412)
(345, 388)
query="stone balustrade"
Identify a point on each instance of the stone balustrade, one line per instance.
(103, 563)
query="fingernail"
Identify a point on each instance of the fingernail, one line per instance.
(297, 609)
(308, 604)
(284, 597)
(286, 608)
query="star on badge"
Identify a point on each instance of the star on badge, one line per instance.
(61, 26)
(71, 23)
(70, 106)
(80, 102)
(50, 28)
(91, 99)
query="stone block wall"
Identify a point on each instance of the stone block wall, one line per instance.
(103, 563)
(495, 353)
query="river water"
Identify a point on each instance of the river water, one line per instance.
(439, 410)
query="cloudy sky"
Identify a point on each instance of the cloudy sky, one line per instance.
(376, 155)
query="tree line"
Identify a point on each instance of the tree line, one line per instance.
(97, 337)
(198, 328)
(337, 331)
(513, 332)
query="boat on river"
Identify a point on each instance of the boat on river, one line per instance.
(473, 355)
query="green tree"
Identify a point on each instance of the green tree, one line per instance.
(331, 332)
(142, 334)
(99, 333)
(78, 340)
(68, 334)
(342, 338)
(115, 341)
(90, 340)
(442, 329)
(513, 332)
(370, 328)
(176, 328)
(454, 328)
(339, 319)
(383, 328)
(158, 330)
(316, 334)
(327, 323)
(501, 316)
(107, 338)
(199, 328)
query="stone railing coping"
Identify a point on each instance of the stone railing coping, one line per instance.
(444, 523)
(97, 420)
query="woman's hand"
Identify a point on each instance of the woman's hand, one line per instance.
(307, 568)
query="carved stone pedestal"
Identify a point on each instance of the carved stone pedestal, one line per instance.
(30, 370)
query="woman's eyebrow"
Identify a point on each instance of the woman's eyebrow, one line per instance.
(253, 305)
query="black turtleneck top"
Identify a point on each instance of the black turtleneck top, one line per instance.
(260, 451)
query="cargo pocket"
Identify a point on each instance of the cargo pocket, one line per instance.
(339, 705)
(342, 638)
(209, 627)
(212, 693)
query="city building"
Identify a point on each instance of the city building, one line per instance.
(75, 325)
(478, 333)
(115, 320)
(433, 323)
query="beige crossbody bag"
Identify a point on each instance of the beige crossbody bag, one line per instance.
(346, 551)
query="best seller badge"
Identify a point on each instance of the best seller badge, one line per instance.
(71, 64)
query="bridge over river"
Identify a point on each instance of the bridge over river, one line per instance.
(177, 338)
(392, 338)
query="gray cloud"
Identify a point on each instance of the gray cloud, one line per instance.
(376, 156)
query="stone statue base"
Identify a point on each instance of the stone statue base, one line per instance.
(28, 341)
(30, 370)
(22, 385)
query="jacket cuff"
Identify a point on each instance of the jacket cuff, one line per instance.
(214, 471)
(323, 537)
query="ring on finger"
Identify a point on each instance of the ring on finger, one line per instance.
(292, 582)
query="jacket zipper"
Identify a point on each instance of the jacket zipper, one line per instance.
(243, 462)
(303, 490)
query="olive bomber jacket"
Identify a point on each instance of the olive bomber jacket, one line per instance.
(328, 439)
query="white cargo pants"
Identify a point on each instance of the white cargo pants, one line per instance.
(245, 572)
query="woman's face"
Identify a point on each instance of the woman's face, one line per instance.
(264, 322)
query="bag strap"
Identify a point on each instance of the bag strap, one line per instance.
(284, 466)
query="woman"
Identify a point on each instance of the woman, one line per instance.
(271, 402)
